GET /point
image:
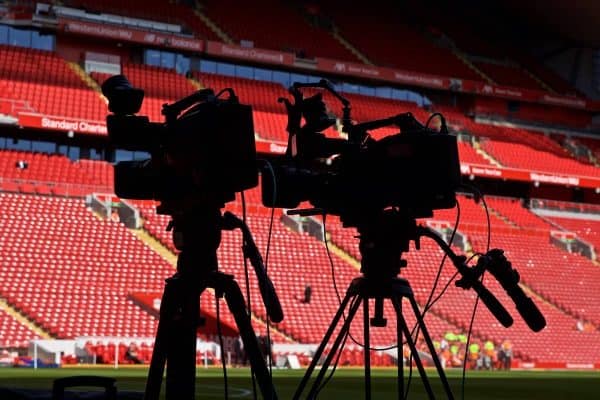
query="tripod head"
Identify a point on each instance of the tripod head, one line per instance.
(197, 229)
(384, 236)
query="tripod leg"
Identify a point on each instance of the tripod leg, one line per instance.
(317, 356)
(413, 348)
(159, 354)
(367, 348)
(237, 306)
(336, 345)
(176, 342)
(400, 352)
(181, 351)
(431, 348)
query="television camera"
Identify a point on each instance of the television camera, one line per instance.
(416, 170)
(201, 156)
(207, 153)
(380, 187)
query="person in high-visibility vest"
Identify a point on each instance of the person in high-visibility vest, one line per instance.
(474, 359)
(507, 353)
(489, 355)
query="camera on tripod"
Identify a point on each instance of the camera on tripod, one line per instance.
(416, 170)
(204, 150)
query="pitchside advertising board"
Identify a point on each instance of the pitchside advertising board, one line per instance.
(63, 124)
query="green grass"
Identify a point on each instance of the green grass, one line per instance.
(346, 384)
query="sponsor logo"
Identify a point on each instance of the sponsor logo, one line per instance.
(150, 38)
(252, 54)
(486, 171)
(507, 92)
(418, 79)
(339, 67)
(580, 366)
(487, 89)
(277, 148)
(562, 180)
(565, 101)
(184, 43)
(72, 125)
(99, 30)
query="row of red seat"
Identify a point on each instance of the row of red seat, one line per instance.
(46, 82)
(13, 333)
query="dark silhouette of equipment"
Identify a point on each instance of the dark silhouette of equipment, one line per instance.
(384, 236)
(198, 235)
(307, 294)
(379, 187)
(201, 156)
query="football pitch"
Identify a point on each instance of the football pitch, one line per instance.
(346, 383)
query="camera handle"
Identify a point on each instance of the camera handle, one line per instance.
(470, 278)
(251, 252)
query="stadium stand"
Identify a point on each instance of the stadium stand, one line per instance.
(47, 84)
(512, 210)
(13, 333)
(51, 173)
(154, 10)
(161, 85)
(293, 31)
(518, 155)
(72, 273)
(508, 75)
(586, 229)
(530, 252)
(388, 41)
(294, 260)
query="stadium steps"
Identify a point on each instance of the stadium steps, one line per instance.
(16, 314)
(503, 217)
(469, 64)
(481, 151)
(341, 253)
(171, 258)
(195, 83)
(92, 84)
(336, 34)
(212, 25)
(155, 245)
(539, 81)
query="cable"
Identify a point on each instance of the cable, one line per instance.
(480, 195)
(429, 303)
(269, 348)
(339, 355)
(247, 279)
(220, 334)
(432, 116)
(337, 292)
(269, 345)
(464, 368)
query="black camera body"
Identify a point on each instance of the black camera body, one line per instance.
(415, 171)
(206, 154)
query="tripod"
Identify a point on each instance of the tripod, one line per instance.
(198, 235)
(382, 240)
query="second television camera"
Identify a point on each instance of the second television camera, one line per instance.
(415, 171)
